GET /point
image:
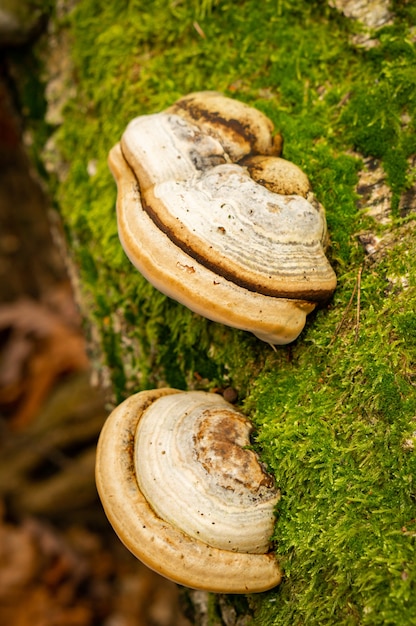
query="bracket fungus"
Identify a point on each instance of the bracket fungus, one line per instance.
(213, 217)
(185, 494)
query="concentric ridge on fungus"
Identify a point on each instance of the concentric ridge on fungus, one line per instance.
(213, 217)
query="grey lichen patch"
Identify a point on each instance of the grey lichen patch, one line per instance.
(372, 13)
(410, 442)
(374, 193)
(375, 201)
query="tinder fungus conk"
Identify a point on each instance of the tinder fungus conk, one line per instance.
(185, 493)
(213, 217)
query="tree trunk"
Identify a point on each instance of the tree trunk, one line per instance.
(334, 412)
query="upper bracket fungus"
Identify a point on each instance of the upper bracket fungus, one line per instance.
(184, 492)
(213, 217)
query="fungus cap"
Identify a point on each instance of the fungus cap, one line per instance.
(184, 493)
(213, 233)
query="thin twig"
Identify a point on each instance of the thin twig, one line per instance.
(341, 323)
(199, 30)
(357, 286)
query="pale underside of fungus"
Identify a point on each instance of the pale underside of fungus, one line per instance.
(213, 217)
(185, 494)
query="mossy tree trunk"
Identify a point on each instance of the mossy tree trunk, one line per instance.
(335, 411)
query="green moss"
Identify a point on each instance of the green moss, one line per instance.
(347, 494)
(334, 410)
(333, 429)
(374, 120)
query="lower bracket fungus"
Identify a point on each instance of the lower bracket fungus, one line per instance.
(185, 493)
(213, 217)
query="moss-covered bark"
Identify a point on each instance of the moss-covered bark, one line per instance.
(334, 412)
